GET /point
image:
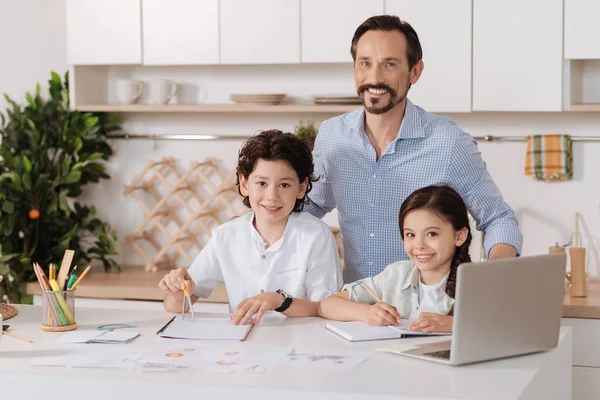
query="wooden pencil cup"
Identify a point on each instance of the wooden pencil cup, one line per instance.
(578, 281)
(556, 249)
(58, 310)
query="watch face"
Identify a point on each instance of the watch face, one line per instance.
(283, 293)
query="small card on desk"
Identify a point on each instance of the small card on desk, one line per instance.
(89, 336)
(356, 331)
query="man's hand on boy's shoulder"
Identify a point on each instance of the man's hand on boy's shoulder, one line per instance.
(256, 305)
(173, 281)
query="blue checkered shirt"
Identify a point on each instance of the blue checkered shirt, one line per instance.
(368, 193)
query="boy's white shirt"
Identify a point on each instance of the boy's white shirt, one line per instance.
(304, 262)
(398, 285)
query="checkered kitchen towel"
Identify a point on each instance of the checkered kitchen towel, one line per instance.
(549, 158)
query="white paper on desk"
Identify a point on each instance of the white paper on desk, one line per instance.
(335, 360)
(205, 328)
(84, 360)
(359, 331)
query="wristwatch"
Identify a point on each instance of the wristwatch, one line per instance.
(287, 300)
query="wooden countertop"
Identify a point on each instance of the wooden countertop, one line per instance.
(583, 307)
(133, 283)
(136, 284)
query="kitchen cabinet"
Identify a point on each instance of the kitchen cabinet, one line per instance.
(327, 27)
(260, 31)
(582, 30)
(445, 35)
(517, 55)
(101, 32)
(180, 32)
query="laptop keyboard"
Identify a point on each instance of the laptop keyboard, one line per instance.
(440, 354)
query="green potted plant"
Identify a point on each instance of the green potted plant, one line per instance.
(47, 155)
(307, 131)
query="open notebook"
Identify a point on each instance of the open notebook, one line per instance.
(355, 331)
(204, 328)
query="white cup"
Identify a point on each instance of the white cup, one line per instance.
(162, 91)
(128, 90)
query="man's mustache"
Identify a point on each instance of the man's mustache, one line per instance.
(368, 86)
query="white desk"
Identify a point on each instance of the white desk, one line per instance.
(383, 376)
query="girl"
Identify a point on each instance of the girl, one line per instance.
(435, 228)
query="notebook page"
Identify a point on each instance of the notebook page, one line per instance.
(405, 323)
(205, 328)
(358, 331)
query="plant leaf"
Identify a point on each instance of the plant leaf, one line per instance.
(27, 164)
(8, 207)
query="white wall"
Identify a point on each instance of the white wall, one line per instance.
(32, 43)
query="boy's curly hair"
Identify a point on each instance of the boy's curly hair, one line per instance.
(274, 145)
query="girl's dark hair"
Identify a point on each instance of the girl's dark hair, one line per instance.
(274, 145)
(390, 23)
(448, 205)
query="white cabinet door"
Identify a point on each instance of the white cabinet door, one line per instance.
(260, 31)
(180, 32)
(327, 27)
(582, 29)
(104, 32)
(517, 55)
(444, 29)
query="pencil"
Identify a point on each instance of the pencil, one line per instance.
(83, 274)
(372, 293)
(22, 339)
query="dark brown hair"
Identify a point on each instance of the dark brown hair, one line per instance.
(274, 145)
(448, 205)
(389, 23)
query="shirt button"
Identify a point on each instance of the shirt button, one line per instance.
(414, 287)
(371, 234)
(443, 311)
(417, 308)
(374, 177)
(264, 256)
(437, 290)
(370, 264)
(372, 204)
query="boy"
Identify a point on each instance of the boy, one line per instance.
(274, 257)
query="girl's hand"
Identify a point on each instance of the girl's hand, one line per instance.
(173, 281)
(256, 305)
(431, 322)
(381, 314)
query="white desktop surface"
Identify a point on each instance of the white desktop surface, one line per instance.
(382, 376)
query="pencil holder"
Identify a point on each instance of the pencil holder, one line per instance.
(58, 310)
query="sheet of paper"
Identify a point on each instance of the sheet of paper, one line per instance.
(335, 360)
(205, 328)
(358, 331)
(116, 337)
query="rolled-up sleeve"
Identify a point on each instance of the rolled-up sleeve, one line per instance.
(324, 274)
(379, 284)
(469, 176)
(206, 270)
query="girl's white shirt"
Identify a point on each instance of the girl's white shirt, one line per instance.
(398, 285)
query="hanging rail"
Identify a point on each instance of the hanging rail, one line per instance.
(487, 138)
(490, 138)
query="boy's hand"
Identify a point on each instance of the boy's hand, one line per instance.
(382, 314)
(173, 281)
(256, 305)
(431, 322)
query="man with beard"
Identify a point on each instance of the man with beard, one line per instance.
(369, 160)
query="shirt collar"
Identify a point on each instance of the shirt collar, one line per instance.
(258, 240)
(412, 280)
(411, 127)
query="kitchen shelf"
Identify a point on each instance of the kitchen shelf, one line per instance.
(590, 107)
(218, 108)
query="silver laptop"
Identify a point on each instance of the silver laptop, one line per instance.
(503, 308)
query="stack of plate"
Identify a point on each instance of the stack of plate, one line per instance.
(257, 99)
(339, 99)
